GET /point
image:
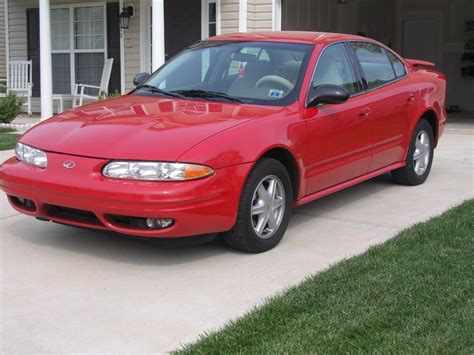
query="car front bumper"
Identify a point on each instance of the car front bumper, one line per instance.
(83, 197)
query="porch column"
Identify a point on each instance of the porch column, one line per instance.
(46, 71)
(158, 42)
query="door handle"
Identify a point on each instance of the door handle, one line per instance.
(365, 112)
(411, 97)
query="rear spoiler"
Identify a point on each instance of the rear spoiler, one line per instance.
(420, 63)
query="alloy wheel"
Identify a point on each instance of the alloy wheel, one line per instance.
(268, 206)
(421, 155)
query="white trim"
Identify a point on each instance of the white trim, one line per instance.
(242, 15)
(7, 41)
(122, 55)
(205, 17)
(276, 15)
(46, 68)
(158, 14)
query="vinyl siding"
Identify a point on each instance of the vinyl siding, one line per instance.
(229, 16)
(263, 15)
(3, 52)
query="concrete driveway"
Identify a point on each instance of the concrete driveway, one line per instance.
(71, 290)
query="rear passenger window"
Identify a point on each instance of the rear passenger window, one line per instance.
(397, 65)
(335, 67)
(375, 63)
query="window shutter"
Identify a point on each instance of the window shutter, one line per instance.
(113, 44)
(33, 47)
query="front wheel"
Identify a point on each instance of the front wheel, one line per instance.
(419, 158)
(264, 209)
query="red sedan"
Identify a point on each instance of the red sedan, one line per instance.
(231, 134)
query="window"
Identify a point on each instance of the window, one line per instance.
(210, 18)
(398, 65)
(78, 46)
(375, 63)
(212, 23)
(335, 67)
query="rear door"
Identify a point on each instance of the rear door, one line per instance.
(339, 136)
(392, 101)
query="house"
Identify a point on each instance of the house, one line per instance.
(83, 33)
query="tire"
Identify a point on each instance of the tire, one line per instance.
(257, 203)
(416, 171)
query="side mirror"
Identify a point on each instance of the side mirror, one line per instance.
(140, 78)
(328, 94)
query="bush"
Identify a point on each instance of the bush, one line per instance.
(11, 106)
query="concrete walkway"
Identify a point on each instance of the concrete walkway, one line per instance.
(71, 290)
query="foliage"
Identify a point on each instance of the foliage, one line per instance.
(11, 106)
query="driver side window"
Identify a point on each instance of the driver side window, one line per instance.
(334, 67)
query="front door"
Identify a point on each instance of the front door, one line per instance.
(182, 25)
(339, 143)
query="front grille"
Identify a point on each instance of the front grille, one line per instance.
(73, 215)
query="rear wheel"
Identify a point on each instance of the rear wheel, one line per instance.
(419, 158)
(264, 209)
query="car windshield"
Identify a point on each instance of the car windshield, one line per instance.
(266, 73)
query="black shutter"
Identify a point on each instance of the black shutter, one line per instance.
(33, 47)
(113, 43)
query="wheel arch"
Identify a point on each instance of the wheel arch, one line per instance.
(431, 117)
(284, 156)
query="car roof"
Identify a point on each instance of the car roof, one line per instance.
(289, 36)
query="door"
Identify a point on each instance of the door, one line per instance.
(420, 38)
(339, 136)
(182, 25)
(393, 101)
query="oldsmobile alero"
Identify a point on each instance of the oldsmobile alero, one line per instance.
(231, 134)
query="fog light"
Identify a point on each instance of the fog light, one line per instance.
(158, 223)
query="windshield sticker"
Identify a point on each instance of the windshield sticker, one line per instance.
(275, 93)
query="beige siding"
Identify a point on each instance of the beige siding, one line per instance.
(132, 47)
(263, 15)
(229, 16)
(3, 57)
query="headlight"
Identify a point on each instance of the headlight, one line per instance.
(31, 155)
(155, 171)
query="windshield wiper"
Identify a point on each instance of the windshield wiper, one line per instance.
(207, 94)
(156, 90)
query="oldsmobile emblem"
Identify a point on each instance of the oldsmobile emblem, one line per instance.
(69, 164)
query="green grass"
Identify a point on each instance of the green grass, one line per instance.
(7, 140)
(412, 294)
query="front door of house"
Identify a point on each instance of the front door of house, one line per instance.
(182, 25)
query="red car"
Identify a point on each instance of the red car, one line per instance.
(231, 134)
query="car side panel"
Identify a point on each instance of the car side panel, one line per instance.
(394, 107)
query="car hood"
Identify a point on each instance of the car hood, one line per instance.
(138, 127)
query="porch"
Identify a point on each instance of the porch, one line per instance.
(69, 40)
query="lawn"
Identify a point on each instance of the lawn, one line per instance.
(7, 140)
(412, 294)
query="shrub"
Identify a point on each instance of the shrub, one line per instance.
(11, 106)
